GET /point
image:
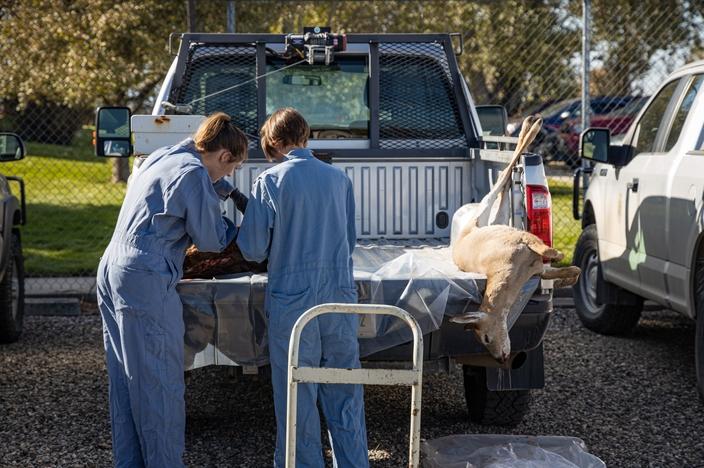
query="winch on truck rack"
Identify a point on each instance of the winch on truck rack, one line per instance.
(394, 113)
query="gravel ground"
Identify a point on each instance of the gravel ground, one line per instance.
(632, 400)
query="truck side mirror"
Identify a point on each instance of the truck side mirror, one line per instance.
(11, 147)
(594, 144)
(493, 119)
(113, 134)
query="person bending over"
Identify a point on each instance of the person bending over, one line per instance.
(171, 203)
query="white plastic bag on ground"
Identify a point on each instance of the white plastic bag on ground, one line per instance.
(507, 451)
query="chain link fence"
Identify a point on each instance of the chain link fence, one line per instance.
(73, 202)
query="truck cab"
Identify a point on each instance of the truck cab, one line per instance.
(642, 217)
(394, 113)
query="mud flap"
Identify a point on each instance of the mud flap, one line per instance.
(530, 375)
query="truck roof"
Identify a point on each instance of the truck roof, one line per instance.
(688, 68)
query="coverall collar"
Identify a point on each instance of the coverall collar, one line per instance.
(299, 153)
(189, 145)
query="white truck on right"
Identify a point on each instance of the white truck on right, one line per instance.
(643, 223)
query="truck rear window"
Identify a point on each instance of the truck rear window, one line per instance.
(332, 98)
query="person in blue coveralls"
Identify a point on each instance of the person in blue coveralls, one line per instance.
(301, 217)
(173, 202)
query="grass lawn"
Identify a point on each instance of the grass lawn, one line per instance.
(71, 207)
(565, 228)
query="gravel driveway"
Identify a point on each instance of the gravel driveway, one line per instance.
(632, 400)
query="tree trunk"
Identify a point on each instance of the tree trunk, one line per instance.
(120, 170)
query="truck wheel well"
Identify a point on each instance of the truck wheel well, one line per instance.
(588, 216)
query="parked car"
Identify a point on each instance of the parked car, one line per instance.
(13, 215)
(394, 113)
(559, 132)
(618, 121)
(643, 236)
(514, 124)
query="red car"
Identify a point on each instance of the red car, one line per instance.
(617, 121)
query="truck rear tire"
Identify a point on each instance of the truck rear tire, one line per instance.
(606, 319)
(489, 407)
(12, 294)
(699, 334)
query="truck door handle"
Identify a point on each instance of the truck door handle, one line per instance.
(633, 185)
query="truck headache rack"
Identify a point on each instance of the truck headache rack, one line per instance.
(419, 67)
(400, 377)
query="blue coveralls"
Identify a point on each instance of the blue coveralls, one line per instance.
(301, 216)
(169, 205)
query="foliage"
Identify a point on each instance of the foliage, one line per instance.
(84, 52)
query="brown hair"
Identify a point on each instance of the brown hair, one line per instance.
(218, 132)
(285, 127)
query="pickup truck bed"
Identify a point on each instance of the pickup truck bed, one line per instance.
(226, 323)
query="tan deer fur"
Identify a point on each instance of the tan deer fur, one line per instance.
(507, 256)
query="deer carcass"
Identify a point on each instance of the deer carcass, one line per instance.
(506, 255)
(206, 265)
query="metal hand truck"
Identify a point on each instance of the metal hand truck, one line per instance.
(403, 377)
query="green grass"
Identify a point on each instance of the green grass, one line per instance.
(71, 207)
(565, 228)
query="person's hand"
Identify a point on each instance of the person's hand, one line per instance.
(240, 200)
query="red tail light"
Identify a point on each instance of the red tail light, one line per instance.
(539, 212)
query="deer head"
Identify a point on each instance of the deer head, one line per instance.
(491, 331)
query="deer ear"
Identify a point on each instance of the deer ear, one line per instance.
(470, 319)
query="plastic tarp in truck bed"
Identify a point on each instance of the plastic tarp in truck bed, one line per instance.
(226, 322)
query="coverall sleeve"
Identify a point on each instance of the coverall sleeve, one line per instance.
(351, 226)
(254, 236)
(209, 230)
(223, 188)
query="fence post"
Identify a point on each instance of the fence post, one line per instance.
(230, 16)
(191, 15)
(586, 37)
(586, 108)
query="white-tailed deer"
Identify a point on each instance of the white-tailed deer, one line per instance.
(506, 255)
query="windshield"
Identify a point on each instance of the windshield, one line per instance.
(557, 108)
(332, 98)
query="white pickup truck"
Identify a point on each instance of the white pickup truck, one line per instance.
(642, 219)
(394, 113)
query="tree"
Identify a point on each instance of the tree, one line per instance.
(636, 43)
(77, 54)
(509, 54)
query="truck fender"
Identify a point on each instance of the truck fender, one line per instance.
(588, 216)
